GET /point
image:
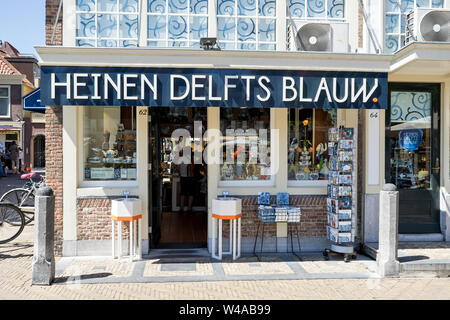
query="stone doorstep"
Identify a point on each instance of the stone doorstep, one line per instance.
(437, 266)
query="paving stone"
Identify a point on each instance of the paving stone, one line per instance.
(15, 281)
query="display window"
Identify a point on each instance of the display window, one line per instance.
(109, 141)
(245, 144)
(308, 155)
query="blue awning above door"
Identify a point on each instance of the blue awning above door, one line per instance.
(32, 101)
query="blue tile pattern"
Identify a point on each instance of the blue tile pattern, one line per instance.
(176, 23)
(246, 24)
(106, 23)
(304, 9)
(409, 106)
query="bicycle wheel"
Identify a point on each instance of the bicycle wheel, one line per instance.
(12, 222)
(22, 198)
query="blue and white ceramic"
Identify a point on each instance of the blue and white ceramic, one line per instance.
(282, 198)
(263, 198)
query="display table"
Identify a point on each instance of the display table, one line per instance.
(262, 222)
(230, 209)
(127, 210)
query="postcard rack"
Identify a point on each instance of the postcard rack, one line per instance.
(342, 191)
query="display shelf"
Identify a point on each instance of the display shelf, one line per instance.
(113, 161)
(341, 192)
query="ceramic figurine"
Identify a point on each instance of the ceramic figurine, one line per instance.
(320, 151)
(105, 144)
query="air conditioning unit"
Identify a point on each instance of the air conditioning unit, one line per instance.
(427, 25)
(318, 36)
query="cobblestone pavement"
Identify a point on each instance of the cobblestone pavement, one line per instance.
(72, 282)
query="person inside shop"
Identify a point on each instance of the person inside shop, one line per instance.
(2, 161)
(202, 183)
(187, 186)
(14, 151)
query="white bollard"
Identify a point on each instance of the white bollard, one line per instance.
(387, 262)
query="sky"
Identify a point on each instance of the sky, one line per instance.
(22, 23)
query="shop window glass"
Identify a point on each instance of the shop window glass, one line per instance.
(109, 138)
(411, 137)
(245, 144)
(395, 21)
(4, 102)
(308, 143)
(176, 23)
(107, 23)
(246, 24)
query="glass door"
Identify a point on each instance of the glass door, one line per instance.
(412, 154)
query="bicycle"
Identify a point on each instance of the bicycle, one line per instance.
(24, 197)
(12, 222)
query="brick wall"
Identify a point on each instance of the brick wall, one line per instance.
(54, 166)
(53, 131)
(360, 28)
(313, 220)
(94, 219)
(51, 10)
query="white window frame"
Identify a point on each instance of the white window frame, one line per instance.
(9, 101)
(256, 17)
(254, 183)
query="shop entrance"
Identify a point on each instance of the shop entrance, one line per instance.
(412, 154)
(178, 192)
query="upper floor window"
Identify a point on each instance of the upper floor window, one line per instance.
(107, 23)
(176, 23)
(246, 24)
(4, 102)
(316, 9)
(395, 22)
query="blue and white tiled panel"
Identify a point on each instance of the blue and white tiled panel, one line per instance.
(264, 198)
(282, 198)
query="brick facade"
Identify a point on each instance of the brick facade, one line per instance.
(94, 220)
(53, 131)
(54, 166)
(51, 11)
(313, 220)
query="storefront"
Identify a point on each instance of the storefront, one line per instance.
(263, 110)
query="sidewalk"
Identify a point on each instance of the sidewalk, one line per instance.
(203, 278)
